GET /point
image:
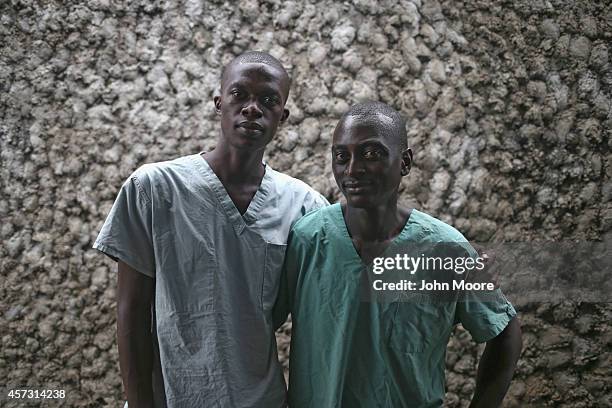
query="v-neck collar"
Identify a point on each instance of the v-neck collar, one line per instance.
(348, 241)
(239, 221)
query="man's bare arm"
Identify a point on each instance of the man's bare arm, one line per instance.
(134, 296)
(496, 367)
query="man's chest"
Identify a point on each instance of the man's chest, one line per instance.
(241, 196)
(369, 250)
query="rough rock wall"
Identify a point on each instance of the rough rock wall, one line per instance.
(510, 115)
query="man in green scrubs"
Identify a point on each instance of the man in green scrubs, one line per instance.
(355, 348)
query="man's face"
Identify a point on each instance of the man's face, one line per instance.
(251, 104)
(367, 161)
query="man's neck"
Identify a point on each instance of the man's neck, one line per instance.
(376, 224)
(234, 167)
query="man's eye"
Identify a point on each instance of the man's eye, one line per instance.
(340, 157)
(270, 100)
(372, 154)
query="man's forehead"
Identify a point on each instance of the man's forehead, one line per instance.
(257, 72)
(247, 69)
(378, 122)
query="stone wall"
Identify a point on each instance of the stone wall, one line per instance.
(510, 118)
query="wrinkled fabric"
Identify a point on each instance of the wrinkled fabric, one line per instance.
(350, 352)
(216, 276)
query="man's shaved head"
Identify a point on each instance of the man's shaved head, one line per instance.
(258, 57)
(380, 114)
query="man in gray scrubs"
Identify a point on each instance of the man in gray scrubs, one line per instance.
(202, 238)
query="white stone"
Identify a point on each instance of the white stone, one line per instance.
(342, 37)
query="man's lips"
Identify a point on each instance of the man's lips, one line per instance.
(251, 126)
(356, 186)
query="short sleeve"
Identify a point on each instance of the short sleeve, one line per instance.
(484, 315)
(126, 234)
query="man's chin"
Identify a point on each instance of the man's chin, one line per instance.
(360, 201)
(249, 141)
(247, 144)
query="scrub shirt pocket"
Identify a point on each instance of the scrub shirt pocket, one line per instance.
(414, 326)
(273, 264)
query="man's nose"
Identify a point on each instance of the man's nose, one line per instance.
(252, 110)
(354, 167)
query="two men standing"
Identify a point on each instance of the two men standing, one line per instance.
(203, 238)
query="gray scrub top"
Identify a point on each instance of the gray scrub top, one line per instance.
(216, 276)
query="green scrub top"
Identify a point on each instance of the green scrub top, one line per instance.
(348, 351)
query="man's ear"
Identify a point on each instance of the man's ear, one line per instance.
(285, 115)
(217, 101)
(406, 162)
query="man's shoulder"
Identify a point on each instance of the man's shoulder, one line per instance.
(296, 194)
(436, 229)
(150, 174)
(286, 182)
(156, 169)
(316, 223)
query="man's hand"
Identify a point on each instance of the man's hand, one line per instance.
(134, 296)
(496, 367)
(490, 273)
